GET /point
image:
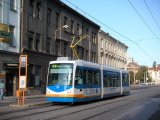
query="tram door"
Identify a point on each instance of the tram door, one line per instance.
(10, 80)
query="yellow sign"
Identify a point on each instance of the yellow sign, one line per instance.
(4, 27)
(4, 33)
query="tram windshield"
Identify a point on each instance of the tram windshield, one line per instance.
(60, 73)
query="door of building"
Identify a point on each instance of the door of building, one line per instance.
(10, 77)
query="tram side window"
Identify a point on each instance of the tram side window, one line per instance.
(90, 77)
(85, 76)
(110, 80)
(96, 77)
(106, 79)
(78, 77)
(118, 80)
(113, 79)
(125, 79)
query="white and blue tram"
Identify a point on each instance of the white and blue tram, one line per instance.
(79, 81)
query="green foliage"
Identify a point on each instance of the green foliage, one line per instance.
(154, 64)
(131, 73)
(143, 73)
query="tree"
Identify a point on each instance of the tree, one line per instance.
(143, 74)
(154, 64)
(131, 77)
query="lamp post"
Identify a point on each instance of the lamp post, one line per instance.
(55, 35)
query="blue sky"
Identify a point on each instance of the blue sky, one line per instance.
(136, 25)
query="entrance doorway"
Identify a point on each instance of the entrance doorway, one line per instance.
(11, 84)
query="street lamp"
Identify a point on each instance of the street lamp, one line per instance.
(64, 26)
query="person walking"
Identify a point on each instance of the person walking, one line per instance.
(2, 89)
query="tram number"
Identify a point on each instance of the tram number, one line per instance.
(91, 91)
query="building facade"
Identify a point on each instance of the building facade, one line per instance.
(154, 72)
(9, 43)
(111, 52)
(133, 66)
(44, 36)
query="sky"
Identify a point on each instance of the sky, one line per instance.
(136, 23)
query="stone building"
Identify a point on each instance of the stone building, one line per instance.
(47, 28)
(9, 43)
(111, 52)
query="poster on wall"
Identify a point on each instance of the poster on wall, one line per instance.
(22, 82)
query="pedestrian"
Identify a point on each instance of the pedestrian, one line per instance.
(2, 89)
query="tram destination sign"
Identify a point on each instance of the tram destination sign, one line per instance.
(61, 66)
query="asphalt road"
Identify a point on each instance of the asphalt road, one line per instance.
(141, 104)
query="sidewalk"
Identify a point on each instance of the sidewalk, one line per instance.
(34, 100)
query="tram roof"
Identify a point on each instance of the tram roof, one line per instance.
(86, 64)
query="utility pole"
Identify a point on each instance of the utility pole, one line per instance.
(144, 77)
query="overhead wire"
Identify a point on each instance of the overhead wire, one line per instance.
(114, 31)
(152, 14)
(143, 20)
(101, 24)
(28, 13)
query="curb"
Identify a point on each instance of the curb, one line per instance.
(28, 105)
(20, 106)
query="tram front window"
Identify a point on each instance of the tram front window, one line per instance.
(60, 74)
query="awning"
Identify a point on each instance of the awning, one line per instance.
(11, 65)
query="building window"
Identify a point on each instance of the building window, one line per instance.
(82, 53)
(65, 22)
(101, 43)
(86, 55)
(94, 38)
(32, 12)
(39, 10)
(77, 28)
(57, 20)
(37, 44)
(82, 30)
(106, 45)
(0, 2)
(48, 45)
(78, 51)
(12, 5)
(87, 31)
(57, 50)
(49, 12)
(93, 57)
(65, 50)
(12, 33)
(37, 75)
(30, 76)
(30, 40)
(72, 26)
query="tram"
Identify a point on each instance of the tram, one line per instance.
(79, 81)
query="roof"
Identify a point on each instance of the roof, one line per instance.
(60, 3)
(154, 68)
(112, 38)
(133, 64)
